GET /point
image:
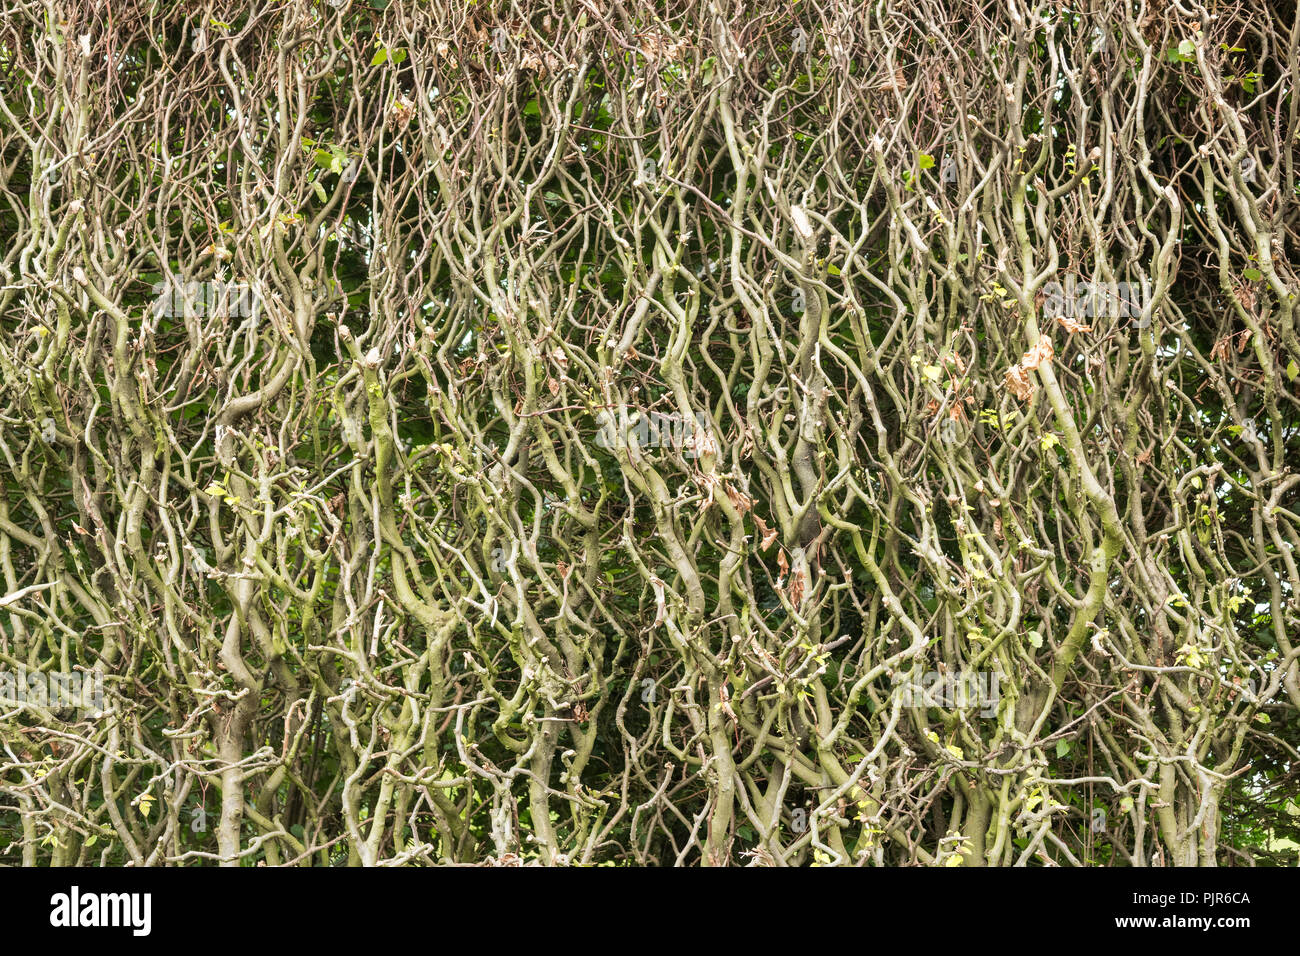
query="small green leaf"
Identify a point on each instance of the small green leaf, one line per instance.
(1063, 748)
(380, 57)
(926, 160)
(1292, 370)
(1187, 49)
(320, 191)
(1254, 275)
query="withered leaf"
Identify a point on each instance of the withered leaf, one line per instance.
(1018, 381)
(796, 589)
(1040, 353)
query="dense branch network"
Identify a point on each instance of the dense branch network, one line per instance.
(613, 433)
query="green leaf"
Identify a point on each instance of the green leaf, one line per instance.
(320, 191)
(932, 372)
(926, 160)
(380, 58)
(1187, 49)
(1292, 370)
(1254, 275)
(1063, 748)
